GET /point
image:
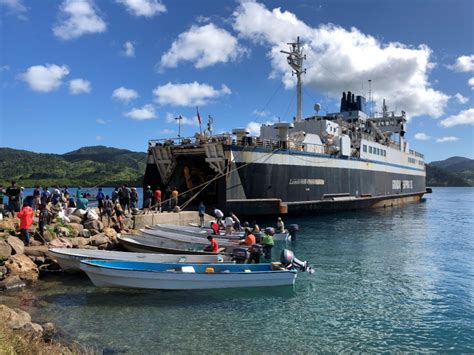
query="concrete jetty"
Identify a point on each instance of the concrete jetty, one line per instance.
(178, 218)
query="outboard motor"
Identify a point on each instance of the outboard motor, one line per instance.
(287, 258)
(240, 255)
(292, 229)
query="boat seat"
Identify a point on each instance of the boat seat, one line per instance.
(276, 265)
(220, 250)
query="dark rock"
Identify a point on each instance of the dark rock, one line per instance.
(11, 282)
(86, 233)
(48, 331)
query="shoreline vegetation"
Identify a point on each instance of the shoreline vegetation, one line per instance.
(106, 166)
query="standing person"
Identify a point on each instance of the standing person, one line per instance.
(280, 225)
(108, 209)
(43, 218)
(100, 200)
(56, 196)
(26, 220)
(36, 198)
(115, 195)
(268, 243)
(13, 193)
(119, 213)
(45, 195)
(157, 195)
(202, 212)
(229, 225)
(219, 215)
(134, 199)
(174, 198)
(214, 246)
(147, 197)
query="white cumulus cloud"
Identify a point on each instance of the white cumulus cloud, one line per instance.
(16, 7)
(79, 86)
(171, 118)
(339, 59)
(470, 82)
(465, 117)
(461, 99)
(78, 17)
(190, 94)
(124, 94)
(146, 8)
(147, 112)
(447, 139)
(422, 136)
(464, 63)
(204, 46)
(253, 128)
(129, 49)
(262, 113)
(45, 78)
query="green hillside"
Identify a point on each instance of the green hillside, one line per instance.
(459, 166)
(89, 166)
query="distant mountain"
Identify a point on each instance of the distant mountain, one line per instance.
(460, 166)
(454, 171)
(87, 166)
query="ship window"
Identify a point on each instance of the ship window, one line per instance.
(377, 151)
(370, 149)
(364, 148)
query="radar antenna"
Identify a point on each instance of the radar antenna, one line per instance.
(295, 60)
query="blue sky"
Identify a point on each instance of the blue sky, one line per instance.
(81, 72)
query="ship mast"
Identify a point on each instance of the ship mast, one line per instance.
(295, 60)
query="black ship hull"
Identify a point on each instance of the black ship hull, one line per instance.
(262, 182)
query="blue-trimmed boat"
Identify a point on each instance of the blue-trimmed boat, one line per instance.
(175, 276)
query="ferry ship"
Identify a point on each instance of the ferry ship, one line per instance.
(351, 159)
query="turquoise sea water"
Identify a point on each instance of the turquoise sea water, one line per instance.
(398, 279)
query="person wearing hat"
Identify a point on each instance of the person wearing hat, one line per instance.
(280, 225)
(268, 242)
(147, 198)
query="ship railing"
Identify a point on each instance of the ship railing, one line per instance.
(277, 144)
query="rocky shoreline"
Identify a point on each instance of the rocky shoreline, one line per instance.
(21, 266)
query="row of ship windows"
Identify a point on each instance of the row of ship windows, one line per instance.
(374, 150)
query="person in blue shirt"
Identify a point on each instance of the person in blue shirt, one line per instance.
(100, 200)
(202, 212)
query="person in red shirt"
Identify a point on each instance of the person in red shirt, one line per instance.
(26, 220)
(214, 246)
(215, 228)
(157, 195)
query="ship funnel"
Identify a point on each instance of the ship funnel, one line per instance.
(283, 128)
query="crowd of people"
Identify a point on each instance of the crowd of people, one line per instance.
(256, 241)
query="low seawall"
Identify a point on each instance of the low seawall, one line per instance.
(178, 218)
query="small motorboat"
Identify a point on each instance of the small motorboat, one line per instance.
(285, 235)
(150, 244)
(176, 240)
(174, 276)
(69, 259)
